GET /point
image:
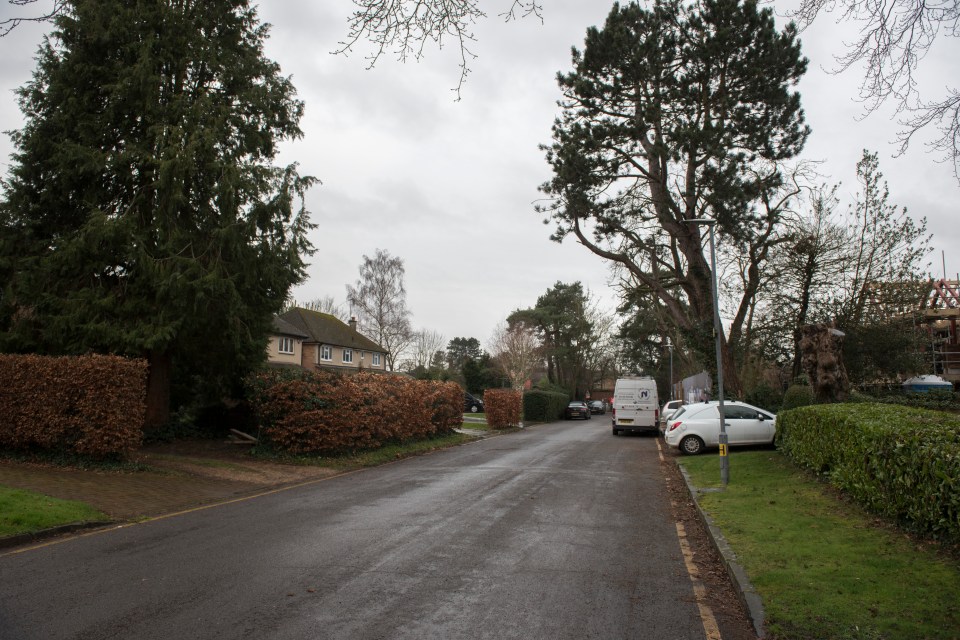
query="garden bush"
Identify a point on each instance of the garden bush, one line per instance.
(503, 408)
(319, 412)
(544, 406)
(766, 397)
(798, 395)
(90, 406)
(896, 461)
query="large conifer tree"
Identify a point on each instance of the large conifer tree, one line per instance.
(143, 214)
(672, 113)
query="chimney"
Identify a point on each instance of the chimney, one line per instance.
(353, 322)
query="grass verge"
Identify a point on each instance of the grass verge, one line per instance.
(823, 567)
(28, 512)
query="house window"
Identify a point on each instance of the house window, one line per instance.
(376, 359)
(326, 353)
(348, 355)
(286, 345)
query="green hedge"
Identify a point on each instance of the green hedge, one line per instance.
(896, 461)
(544, 406)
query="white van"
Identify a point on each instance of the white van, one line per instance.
(635, 406)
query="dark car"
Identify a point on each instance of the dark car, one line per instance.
(472, 404)
(577, 409)
(597, 407)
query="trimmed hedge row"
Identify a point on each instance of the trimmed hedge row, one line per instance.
(503, 408)
(319, 412)
(544, 406)
(91, 406)
(896, 461)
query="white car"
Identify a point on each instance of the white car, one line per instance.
(668, 409)
(696, 427)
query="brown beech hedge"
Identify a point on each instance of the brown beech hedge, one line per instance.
(92, 406)
(320, 412)
(503, 407)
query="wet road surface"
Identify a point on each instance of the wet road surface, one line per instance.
(560, 531)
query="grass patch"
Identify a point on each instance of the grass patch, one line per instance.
(823, 567)
(28, 512)
(73, 461)
(372, 457)
(477, 426)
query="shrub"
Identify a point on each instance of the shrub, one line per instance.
(896, 461)
(319, 412)
(544, 406)
(503, 408)
(798, 395)
(766, 397)
(89, 406)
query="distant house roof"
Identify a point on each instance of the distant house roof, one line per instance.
(326, 329)
(283, 328)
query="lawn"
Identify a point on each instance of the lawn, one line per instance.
(28, 512)
(822, 566)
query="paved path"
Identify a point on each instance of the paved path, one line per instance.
(558, 532)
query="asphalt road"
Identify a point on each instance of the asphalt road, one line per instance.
(559, 531)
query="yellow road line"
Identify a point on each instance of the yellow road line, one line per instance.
(710, 627)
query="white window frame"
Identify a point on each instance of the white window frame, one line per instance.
(348, 356)
(285, 345)
(375, 360)
(326, 352)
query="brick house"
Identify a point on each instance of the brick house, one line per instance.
(315, 340)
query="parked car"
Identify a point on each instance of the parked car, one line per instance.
(696, 427)
(471, 403)
(597, 407)
(577, 409)
(668, 409)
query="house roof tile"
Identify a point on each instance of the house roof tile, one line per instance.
(284, 328)
(326, 329)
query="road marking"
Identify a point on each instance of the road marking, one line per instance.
(710, 627)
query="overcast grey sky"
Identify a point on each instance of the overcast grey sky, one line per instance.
(450, 186)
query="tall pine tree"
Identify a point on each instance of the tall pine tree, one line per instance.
(143, 214)
(676, 112)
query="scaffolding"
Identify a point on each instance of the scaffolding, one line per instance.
(933, 305)
(938, 314)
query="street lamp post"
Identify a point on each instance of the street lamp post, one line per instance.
(670, 348)
(718, 333)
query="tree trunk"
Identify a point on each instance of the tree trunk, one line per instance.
(732, 388)
(158, 391)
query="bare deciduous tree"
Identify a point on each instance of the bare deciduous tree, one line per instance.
(406, 26)
(326, 304)
(424, 347)
(894, 36)
(9, 24)
(888, 246)
(517, 352)
(379, 300)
